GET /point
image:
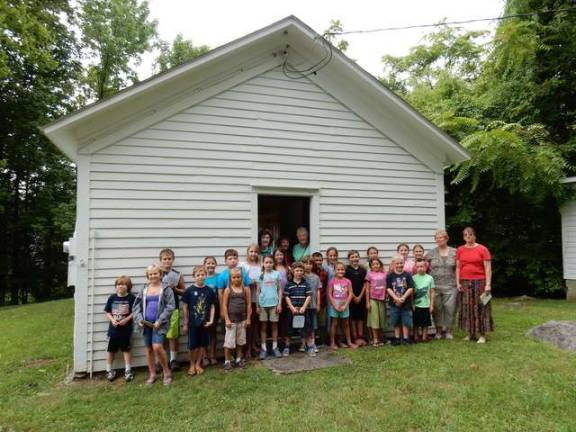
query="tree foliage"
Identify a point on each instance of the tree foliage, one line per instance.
(510, 101)
(179, 52)
(38, 72)
(115, 33)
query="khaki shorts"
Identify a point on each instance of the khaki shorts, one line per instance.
(269, 314)
(235, 335)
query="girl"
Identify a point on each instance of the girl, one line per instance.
(357, 275)
(236, 308)
(265, 242)
(153, 308)
(281, 267)
(376, 301)
(372, 253)
(211, 282)
(253, 269)
(418, 251)
(269, 304)
(403, 250)
(339, 297)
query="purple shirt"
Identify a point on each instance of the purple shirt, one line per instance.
(152, 307)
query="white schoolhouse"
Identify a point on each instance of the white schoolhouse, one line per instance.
(274, 130)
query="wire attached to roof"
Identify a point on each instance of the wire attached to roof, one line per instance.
(293, 73)
(573, 9)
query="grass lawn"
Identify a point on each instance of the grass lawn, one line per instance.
(510, 384)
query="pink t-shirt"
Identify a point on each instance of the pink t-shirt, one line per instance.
(377, 282)
(341, 288)
(409, 265)
(472, 261)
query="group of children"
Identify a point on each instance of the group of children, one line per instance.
(266, 295)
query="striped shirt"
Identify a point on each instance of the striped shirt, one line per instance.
(297, 292)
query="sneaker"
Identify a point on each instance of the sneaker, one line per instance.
(396, 341)
(449, 336)
(227, 366)
(302, 348)
(128, 375)
(406, 341)
(286, 352)
(315, 348)
(438, 336)
(241, 364)
(481, 340)
(110, 375)
(276, 352)
(174, 365)
(311, 352)
(262, 355)
(466, 338)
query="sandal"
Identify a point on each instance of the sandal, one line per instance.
(191, 372)
(151, 380)
(167, 380)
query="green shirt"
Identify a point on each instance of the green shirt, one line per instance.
(299, 251)
(422, 286)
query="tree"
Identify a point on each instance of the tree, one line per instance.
(484, 95)
(115, 33)
(179, 52)
(332, 35)
(38, 72)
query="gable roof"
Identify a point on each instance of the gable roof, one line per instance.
(159, 96)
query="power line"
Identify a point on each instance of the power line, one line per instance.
(450, 22)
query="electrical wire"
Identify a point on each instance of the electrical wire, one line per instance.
(294, 73)
(450, 22)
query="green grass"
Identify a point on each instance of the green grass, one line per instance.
(510, 384)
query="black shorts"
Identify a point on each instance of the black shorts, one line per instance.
(198, 337)
(119, 343)
(422, 317)
(358, 310)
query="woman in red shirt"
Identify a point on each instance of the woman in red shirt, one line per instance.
(473, 278)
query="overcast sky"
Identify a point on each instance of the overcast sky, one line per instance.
(214, 22)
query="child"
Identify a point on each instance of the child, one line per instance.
(357, 275)
(265, 242)
(375, 301)
(174, 280)
(231, 261)
(153, 309)
(424, 300)
(399, 285)
(318, 269)
(211, 282)
(297, 295)
(339, 297)
(418, 251)
(313, 281)
(253, 267)
(372, 253)
(282, 267)
(403, 250)
(119, 312)
(236, 310)
(199, 314)
(331, 261)
(269, 304)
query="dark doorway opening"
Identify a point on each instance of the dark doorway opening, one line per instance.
(283, 215)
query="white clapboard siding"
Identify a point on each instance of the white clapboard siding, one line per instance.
(568, 211)
(186, 183)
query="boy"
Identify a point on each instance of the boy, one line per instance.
(231, 261)
(173, 279)
(298, 295)
(313, 281)
(199, 311)
(423, 299)
(119, 312)
(400, 285)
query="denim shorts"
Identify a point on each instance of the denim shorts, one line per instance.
(152, 336)
(333, 313)
(401, 316)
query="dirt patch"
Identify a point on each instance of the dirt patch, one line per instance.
(559, 333)
(37, 362)
(301, 362)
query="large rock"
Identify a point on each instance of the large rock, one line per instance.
(559, 333)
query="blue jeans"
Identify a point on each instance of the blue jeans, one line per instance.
(152, 336)
(401, 316)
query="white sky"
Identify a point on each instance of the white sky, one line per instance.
(215, 23)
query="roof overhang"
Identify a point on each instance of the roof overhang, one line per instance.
(341, 77)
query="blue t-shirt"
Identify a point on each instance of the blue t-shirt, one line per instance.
(199, 301)
(268, 284)
(120, 308)
(212, 282)
(225, 276)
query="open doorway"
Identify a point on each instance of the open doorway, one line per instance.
(283, 215)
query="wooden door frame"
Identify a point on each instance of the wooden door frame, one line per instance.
(313, 194)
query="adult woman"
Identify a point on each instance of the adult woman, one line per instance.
(442, 261)
(302, 248)
(474, 276)
(265, 242)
